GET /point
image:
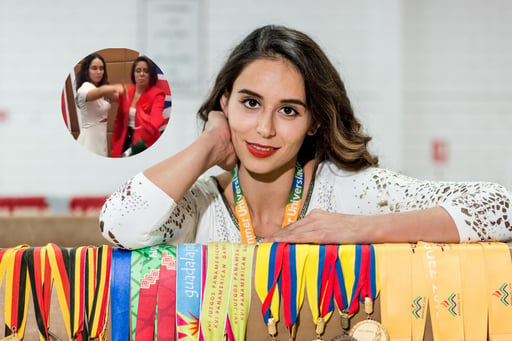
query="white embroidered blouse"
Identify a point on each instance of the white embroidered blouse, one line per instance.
(139, 214)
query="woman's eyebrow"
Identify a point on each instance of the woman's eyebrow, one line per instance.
(284, 101)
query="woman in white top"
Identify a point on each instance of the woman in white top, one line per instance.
(93, 98)
(279, 120)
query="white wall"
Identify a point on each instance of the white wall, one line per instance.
(415, 70)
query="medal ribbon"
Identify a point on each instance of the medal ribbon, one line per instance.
(269, 260)
(499, 277)
(217, 290)
(68, 272)
(98, 290)
(120, 290)
(339, 286)
(474, 293)
(314, 262)
(419, 294)
(370, 286)
(76, 275)
(361, 273)
(166, 327)
(189, 281)
(292, 282)
(242, 209)
(442, 268)
(137, 262)
(396, 290)
(59, 260)
(148, 293)
(240, 297)
(41, 284)
(15, 308)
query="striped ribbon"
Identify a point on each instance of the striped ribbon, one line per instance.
(41, 284)
(293, 283)
(15, 309)
(97, 292)
(269, 261)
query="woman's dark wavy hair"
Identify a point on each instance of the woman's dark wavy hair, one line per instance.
(339, 137)
(153, 74)
(83, 73)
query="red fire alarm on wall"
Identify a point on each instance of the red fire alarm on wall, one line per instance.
(439, 151)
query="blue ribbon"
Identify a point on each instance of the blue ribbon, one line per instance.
(120, 294)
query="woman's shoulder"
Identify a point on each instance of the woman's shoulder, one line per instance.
(154, 91)
(329, 170)
(86, 86)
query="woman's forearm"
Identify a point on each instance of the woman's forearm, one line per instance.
(178, 173)
(433, 225)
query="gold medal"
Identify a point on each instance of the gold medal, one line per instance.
(272, 328)
(12, 337)
(369, 330)
(344, 337)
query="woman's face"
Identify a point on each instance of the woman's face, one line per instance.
(96, 71)
(141, 74)
(268, 116)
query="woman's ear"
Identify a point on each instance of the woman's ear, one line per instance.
(314, 127)
(224, 101)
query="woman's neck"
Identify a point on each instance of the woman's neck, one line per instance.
(139, 89)
(267, 197)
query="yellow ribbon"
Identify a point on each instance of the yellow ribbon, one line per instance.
(499, 278)
(474, 292)
(395, 278)
(240, 298)
(216, 293)
(441, 264)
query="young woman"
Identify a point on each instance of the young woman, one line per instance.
(93, 98)
(139, 119)
(279, 120)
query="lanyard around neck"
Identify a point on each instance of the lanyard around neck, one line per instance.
(242, 208)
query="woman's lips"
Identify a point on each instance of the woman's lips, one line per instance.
(259, 150)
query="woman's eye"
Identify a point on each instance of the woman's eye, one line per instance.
(289, 111)
(251, 103)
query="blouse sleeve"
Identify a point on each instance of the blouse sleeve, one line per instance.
(139, 214)
(81, 94)
(481, 210)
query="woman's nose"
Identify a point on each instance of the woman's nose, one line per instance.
(266, 126)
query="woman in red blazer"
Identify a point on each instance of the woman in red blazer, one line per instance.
(139, 119)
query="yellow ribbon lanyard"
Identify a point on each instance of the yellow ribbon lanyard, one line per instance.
(395, 263)
(419, 294)
(7, 268)
(475, 305)
(499, 278)
(240, 296)
(217, 290)
(442, 268)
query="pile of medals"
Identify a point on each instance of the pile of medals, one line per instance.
(203, 292)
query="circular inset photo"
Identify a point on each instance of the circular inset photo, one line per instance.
(116, 102)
